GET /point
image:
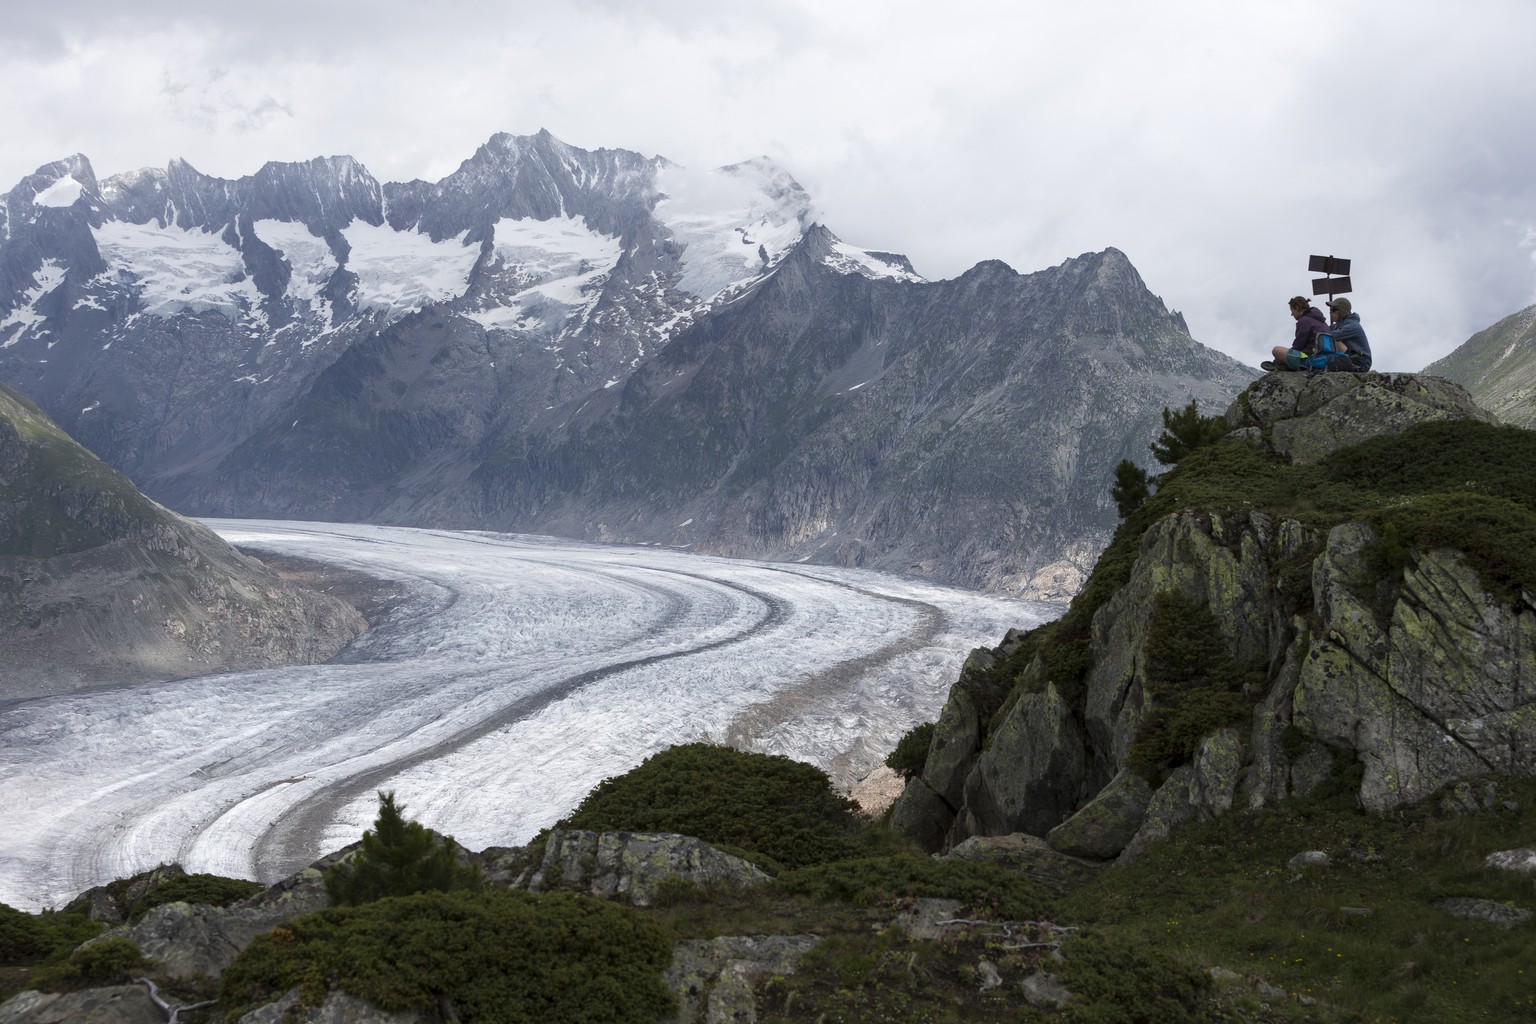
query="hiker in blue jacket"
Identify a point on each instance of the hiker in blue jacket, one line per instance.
(1309, 321)
(1348, 333)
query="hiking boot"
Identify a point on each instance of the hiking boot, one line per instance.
(1270, 366)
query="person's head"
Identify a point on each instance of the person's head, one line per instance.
(1338, 309)
(1299, 304)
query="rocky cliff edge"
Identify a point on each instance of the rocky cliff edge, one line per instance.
(1292, 611)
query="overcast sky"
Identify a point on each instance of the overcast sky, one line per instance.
(1218, 144)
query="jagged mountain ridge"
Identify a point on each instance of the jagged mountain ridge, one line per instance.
(595, 344)
(1498, 366)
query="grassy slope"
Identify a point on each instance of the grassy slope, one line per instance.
(1498, 366)
(58, 497)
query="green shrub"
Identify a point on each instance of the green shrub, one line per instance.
(204, 889)
(107, 962)
(23, 936)
(28, 938)
(1116, 982)
(911, 752)
(1497, 535)
(1191, 684)
(759, 803)
(494, 957)
(398, 858)
(872, 880)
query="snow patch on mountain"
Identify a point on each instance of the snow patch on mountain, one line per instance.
(309, 258)
(63, 192)
(849, 259)
(48, 277)
(734, 223)
(176, 269)
(399, 271)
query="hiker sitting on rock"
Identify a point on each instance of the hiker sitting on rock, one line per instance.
(1348, 334)
(1309, 321)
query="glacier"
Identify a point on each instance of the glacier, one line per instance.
(516, 674)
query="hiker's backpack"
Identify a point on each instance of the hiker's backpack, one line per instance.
(1326, 356)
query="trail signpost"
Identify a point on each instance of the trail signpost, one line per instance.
(1330, 285)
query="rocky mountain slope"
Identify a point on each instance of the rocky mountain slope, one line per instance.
(1342, 590)
(588, 343)
(100, 584)
(1498, 367)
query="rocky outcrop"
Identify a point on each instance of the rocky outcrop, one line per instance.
(98, 584)
(188, 940)
(1304, 418)
(634, 865)
(1403, 686)
(117, 1004)
(337, 1008)
(713, 978)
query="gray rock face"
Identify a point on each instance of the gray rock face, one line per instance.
(1108, 822)
(1441, 691)
(1470, 909)
(190, 940)
(100, 584)
(1523, 860)
(634, 865)
(571, 354)
(338, 1008)
(1436, 687)
(119, 1004)
(713, 978)
(1305, 418)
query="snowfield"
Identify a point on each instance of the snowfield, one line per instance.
(517, 674)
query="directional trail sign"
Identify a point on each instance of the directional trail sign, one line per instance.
(1330, 265)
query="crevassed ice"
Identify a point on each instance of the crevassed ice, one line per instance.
(562, 256)
(398, 271)
(178, 269)
(517, 674)
(726, 220)
(309, 258)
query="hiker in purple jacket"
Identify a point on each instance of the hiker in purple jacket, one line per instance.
(1309, 321)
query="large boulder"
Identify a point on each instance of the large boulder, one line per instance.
(1441, 689)
(192, 939)
(713, 978)
(118, 1004)
(634, 865)
(1305, 417)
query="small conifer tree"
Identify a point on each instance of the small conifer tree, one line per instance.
(1184, 431)
(398, 858)
(1132, 487)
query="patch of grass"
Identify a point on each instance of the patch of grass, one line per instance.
(760, 804)
(985, 888)
(1362, 935)
(490, 956)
